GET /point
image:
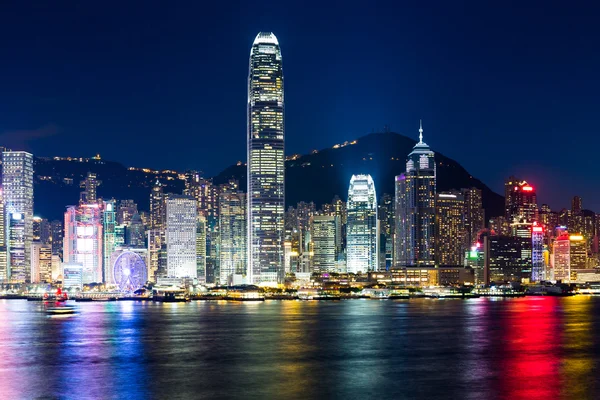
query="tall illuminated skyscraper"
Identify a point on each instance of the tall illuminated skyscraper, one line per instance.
(415, 207)
(362, 233)
(17, 183)
(265, 161)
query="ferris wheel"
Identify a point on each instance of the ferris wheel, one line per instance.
(129, 271)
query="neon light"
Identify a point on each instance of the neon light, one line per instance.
(538, 229)
(473, 255)
(576, 237)
(527, 189)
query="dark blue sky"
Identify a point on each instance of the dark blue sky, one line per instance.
(503, 90)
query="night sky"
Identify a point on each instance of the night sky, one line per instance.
(510, 90)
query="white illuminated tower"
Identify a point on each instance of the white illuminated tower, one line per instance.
(265, 161)
(362, 233)
(17, 184)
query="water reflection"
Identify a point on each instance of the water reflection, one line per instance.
(577, 370)
(525, 348)
(530, 347)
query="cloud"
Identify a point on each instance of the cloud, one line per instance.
(20, 139)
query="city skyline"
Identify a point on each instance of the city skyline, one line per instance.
(497, 102)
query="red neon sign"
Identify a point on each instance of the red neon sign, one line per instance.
(527, 189)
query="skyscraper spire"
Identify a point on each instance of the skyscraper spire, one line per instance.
(420, 131)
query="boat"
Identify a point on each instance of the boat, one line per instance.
(104, 298)
(170, 294)
(244, 293)
(61, 310)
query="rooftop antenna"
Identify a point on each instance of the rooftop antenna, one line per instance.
(420, 131)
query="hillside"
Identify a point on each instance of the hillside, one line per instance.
(320, 176)
(314, 177)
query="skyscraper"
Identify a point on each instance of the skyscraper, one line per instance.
(265, 161)
(415, 207)
(324, 238)
(17, 184)
(474, 215)
(90, 185)
(450, 228)
(157, 207)
(109, 220)
(83, 240)
(520, 201)
(41, 262)
(362, 233)
(125, 211)
(3, 241)
(232, 236)
(181, 236)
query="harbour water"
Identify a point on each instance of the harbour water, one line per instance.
(524, 348)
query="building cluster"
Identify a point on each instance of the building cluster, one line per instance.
(217, 234)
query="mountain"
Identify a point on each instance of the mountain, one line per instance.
(321, 175)
(317, 177)
(56, 183)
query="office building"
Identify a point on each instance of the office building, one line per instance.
(201, 247)
(17, 186)
(362, 233)
(72, 276)
(450, 228)
(415, 208)
(157, 207)
(135, 232)
(41, 230)
(538, 270)
(520, 201)
(324, 243)
(125, 211)
(265, 161)
(57, 232)
(180, 236)
(474, 215)
(41, 262)
(109, 242)
(83, 240)
(561, 254)
(89, 185)
(3, 241)
(232, 234)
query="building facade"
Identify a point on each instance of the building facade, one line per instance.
(232, 234)
(180, 236)
(265, 161)
(324, 243)
(450, 229)
(362, 233)
(17, 186)
(415, 208)
(83, 241)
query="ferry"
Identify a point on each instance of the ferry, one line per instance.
(61, 310)
(169, 294)
(241, 293)
(548, 290)
(316, 294)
